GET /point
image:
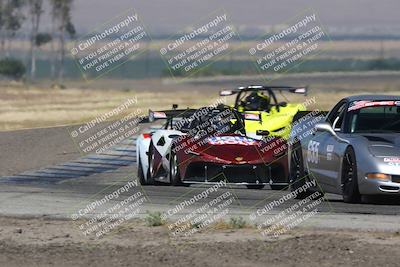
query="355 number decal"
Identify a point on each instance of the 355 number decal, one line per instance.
(312, 152)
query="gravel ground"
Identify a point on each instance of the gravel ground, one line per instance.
(47, 242)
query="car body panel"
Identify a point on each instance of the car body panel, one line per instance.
(230, 153)
(161, 142)
(278, 123)
(142, 148)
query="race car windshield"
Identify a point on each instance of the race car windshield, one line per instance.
(375, 118)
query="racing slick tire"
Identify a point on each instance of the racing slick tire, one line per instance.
(297, 175)
(150, 179)
(349, 181)
(299, 115)
(174, 175)
(255, 186)
(140, 174)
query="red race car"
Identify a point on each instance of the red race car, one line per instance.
(213, 146)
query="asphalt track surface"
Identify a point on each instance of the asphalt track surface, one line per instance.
(63, 185)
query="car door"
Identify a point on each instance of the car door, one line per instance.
(322, 159)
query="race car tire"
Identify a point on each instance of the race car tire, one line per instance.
(278, 187)
(150, 179)
(350, 190)
(174, 175)
(297, 175)
(140, 174)
(299, 115)
(255, 186)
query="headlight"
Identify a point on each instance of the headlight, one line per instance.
(379, 176)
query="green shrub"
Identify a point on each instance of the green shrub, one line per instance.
(154, 219)
(12, 68)
(237, 222)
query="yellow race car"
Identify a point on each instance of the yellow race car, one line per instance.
(263, 114)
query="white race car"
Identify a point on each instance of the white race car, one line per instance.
(161, 136)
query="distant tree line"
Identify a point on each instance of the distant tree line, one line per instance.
(13, 13)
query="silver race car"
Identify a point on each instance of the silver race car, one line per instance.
(354, 150)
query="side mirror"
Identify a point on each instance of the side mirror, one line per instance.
(325, 127)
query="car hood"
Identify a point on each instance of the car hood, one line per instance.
(383, 145)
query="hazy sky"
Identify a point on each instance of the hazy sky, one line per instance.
(174, 15)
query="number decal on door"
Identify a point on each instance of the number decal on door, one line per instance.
(312, 152)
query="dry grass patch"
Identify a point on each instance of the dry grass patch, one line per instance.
(44, 107)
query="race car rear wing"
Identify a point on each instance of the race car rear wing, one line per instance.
(294, 90)
(170, 114)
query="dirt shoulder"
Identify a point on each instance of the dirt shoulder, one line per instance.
(49, 242)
